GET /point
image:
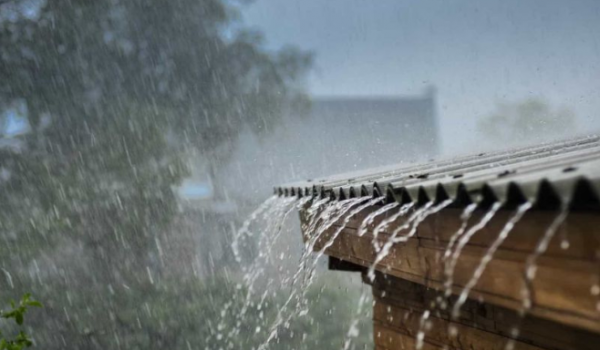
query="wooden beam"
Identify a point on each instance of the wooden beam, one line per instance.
(565, 288)
(399, 306)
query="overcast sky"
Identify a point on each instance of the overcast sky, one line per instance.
(476, 52)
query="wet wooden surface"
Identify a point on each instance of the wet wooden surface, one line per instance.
(399, 306)
(565, 290)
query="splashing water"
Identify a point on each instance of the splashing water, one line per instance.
(340, 229)
(342, 209)
(327, 219)
(275, 219)
(353, 329)
(541, 247)
(440, 302)
(465, 216)
(312, 218)
(462, 242)
(371, 217)
(279, 228)
(413, 222)
(384, 251)
(315, 206)
(275, 212)
(330, 216)
(387, 222)
(246, 225)
(530, 271)
(347, 219)
(428, 210)
(489, 255)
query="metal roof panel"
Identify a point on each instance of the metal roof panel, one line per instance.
(559, 172)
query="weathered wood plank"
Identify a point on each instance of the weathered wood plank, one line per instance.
(386, 338)
(563, 286)
(399, 305)
(582, 230)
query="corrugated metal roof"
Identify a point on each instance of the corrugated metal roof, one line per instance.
(549, 175)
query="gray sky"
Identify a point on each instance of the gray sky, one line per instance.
(476, 52)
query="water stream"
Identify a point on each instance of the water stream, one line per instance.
(274, 215)
(371, 217)
(465, 217)
(343, 211)
(413, 223)
(529, 273)
(327, 217)
(429, 209)
(489, 255)
(462, 242)
(440, 301)
(244, 230)
(531, 263)
(347, 219)
(347, 210)
(387, 222)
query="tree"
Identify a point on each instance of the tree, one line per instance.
(526, 121)
(115, 94)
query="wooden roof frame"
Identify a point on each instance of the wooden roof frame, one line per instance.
(554, 177)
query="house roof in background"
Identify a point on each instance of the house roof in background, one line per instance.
(422, 105)
(365, 108)
(548, 175)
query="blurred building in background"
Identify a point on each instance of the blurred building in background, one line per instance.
(375, 130)
(339, 134)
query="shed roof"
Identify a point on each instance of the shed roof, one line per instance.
(549, 175)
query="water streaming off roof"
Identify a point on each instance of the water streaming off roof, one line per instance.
(138, 139)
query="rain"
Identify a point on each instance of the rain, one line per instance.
(267, 174)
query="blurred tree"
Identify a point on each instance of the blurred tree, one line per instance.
(161, 316)
(114, 94)
(526, 121)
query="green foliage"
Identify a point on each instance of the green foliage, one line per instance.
(525, 121)
(17, 312)
(117, 94)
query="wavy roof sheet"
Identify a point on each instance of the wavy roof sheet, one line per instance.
(549, 175)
